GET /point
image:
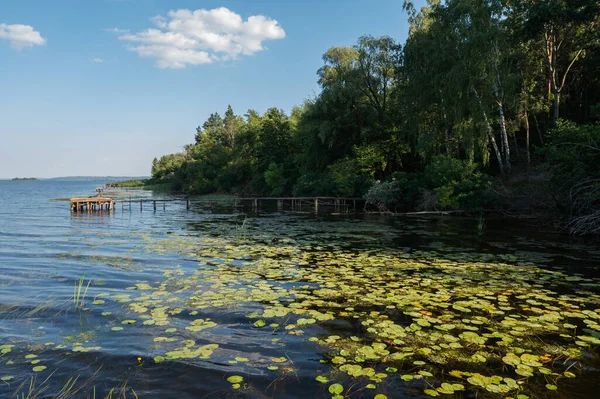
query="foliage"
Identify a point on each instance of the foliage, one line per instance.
(456, 184)
(476, 86)
(275, 179)
(384, 195)
(446, 183)
(129, 184)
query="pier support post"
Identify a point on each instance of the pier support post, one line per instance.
(141, 203)
(316, 206)
(188, 204)
(154, 206)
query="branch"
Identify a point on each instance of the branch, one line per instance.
(568, 69)
(369, 85)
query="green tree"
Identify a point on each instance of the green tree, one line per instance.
(561, 33)
(275, 179)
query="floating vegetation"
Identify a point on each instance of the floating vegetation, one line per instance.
(446, 323)
(375, 322)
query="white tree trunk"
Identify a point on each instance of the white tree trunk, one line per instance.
(490, 131)
(503, 134)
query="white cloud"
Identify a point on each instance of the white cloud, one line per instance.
(116, 30)
(98, 60)
(202, 36)
(21, 36)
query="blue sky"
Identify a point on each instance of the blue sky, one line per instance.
(101, 87)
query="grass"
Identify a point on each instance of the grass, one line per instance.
(480, 223)
(72, 388)
(32, 391)
(130, 184)
(78, 295)
(241, 231)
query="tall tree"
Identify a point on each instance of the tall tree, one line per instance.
(212, 127)
(562, 31)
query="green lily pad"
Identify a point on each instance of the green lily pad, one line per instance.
(336, 388)
(235, 379)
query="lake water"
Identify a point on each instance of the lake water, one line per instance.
(216, 303)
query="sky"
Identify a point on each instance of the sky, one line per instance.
(101, 87)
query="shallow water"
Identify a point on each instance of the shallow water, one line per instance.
(173, 303)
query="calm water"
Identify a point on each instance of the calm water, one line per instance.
(45, 251)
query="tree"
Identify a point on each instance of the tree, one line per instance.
(378, 65)
(232, 125)
(154, 166)
(562, 31)
(275, 179)
(212, 127)
(459, 46)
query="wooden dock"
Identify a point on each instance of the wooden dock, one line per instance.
(255, 203)
(92, 204)
(336, 204)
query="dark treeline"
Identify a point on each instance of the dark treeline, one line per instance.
(483, 93)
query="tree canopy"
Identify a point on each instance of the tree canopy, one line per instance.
(482, 82)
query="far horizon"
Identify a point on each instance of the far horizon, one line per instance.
(76, 177)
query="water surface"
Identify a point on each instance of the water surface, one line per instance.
(216, 302)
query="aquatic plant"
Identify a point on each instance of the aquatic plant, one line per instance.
(241, 231)
(421, 313)
(379, 319)
(480, 223)
(79, 293)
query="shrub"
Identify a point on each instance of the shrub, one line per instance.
(446, 183)
(384, 195)
(457, 184)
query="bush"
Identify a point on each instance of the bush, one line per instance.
(446, 183)
(457, 184)
(385, 196)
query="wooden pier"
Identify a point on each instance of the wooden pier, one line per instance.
(255, 203)
(92, 204)
(296, 204)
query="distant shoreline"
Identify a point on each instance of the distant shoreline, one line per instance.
(78, 178)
